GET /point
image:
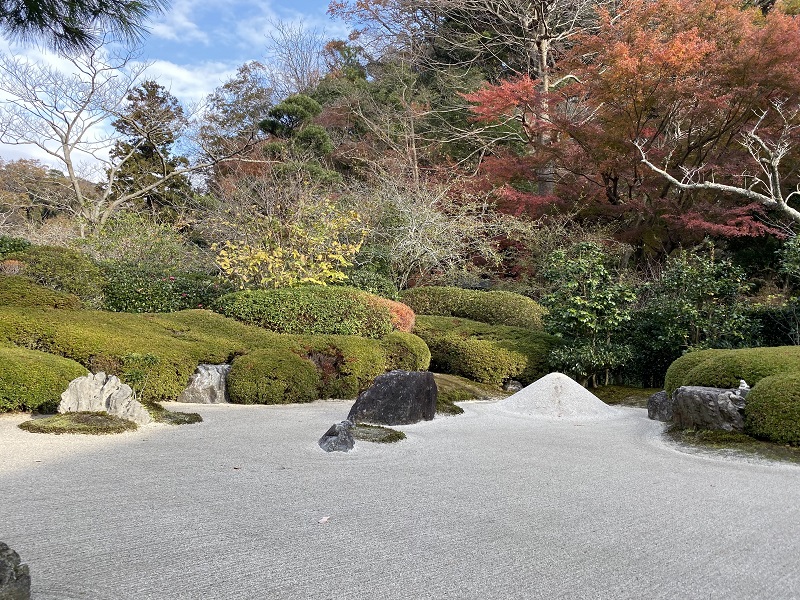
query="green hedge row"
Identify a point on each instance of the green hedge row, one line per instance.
(326, 310)
(34, 381)
(486, 353)
(495, 308)
(157, 353)
(772, 411)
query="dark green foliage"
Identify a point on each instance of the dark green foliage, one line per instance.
(373, 283)
(272, 376)
(18, 291)
(9, 245)
(485, 353)
(407, 351)
(347, 364)
(32, 380)
(724, 368)
(773, 409)
(135, 289)
(309, 310)
(286, 116)
(92, 423)
(63, 270)
(495, 308)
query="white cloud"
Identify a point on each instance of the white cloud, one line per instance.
(191, 83)
(178, 23)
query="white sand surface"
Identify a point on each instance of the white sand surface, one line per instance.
(486, 505)
(557, 396)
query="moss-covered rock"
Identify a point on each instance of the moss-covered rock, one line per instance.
(18, 291)
(485, 353)
(34, 381)
(495, 308)
(91, 423)
(323, 310)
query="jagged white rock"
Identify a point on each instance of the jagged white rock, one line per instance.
(557, 396)
(101, 392)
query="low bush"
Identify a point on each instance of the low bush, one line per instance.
(486, 353)
(326, 310)
(773, 409)
(135, 289)
(63, 270)
(33, 381)
(158, 353)
(9, 245)
(272, 376)
(18, 291)
(495, 308)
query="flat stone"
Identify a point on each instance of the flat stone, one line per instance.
(708, 408)
(659, 407)
(15, 578)
(338, 438)
(397, 398)
(100, 392)
(208, 385)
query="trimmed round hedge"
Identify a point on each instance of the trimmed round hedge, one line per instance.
(21, 292)
(486, 353)
(324, 310)
(773, 409)
(274, 376)
(34, 381)
(63, 270)
(495, 308)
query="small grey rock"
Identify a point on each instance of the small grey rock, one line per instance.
(208, 385)
(338, 438)
(512, 385)
(659, 407)
(15, 578)
(101, 392)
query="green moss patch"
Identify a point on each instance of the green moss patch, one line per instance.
(376, 433)
(731, 441)
(21, 292)
(625, 396)
(90, 423)
(452, 389)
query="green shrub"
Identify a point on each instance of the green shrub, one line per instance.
(63, 270)
(272, 376)
(773, 409)
(486, 353)
(495, 308)
(9, 245)
(372, 282)
(724, 368)
(32, 380)
(18, 291)
(135, 289)
(406, 351)
(323, 310)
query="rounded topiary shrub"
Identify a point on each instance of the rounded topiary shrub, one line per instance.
(772, 411)
(63, 270)
(347, 364)
(485, 353)
(495, 308)
(272, 376)
(20, 292)
(34, 381)
(135, 289)
(406, 351)
(310, 310)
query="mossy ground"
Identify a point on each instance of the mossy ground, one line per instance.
(376, 433)
(91, 423)
(162, 415)
(739, 443)
(453, 388)
(620, 395)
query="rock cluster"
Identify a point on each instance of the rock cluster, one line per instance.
(15, 578)
(100, 392)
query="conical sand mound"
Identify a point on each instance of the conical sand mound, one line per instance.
(556, 396)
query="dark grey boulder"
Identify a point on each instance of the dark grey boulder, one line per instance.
(397, 398)
(15, 579)
(708, 408)
(659, 407)
(338, 438)
(208, 385)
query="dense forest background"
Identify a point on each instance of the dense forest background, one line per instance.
(634, 166)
